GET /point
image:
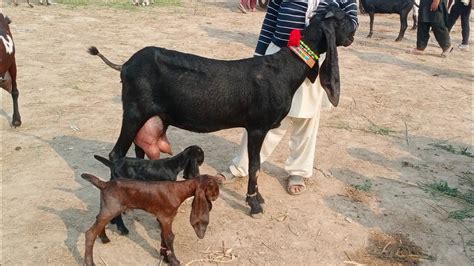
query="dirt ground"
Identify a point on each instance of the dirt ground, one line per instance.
(403, 121)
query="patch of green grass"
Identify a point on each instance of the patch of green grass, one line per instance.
(450, 148)
(467, 178)
(443, 188)
(366, 186)
(379, 130)
(462, 214)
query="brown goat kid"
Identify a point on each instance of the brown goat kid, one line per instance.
(8, 67)
(160, 198)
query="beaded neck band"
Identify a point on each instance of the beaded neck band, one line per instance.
(305, 53)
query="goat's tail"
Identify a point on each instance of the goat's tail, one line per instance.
(103, 160)
(94, 51)
(94, 180)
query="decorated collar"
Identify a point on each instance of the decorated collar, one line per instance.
(301, 49)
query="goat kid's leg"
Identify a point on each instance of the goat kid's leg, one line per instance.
(415, 20)
(254, 198)
(16, 118)
(118, 221)
(403, 25)
(371, 15)
(167, 240)
(97, 228)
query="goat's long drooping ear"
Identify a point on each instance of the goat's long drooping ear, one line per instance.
(207, 190)
(199, 218)
(192, 168)
(329, 71)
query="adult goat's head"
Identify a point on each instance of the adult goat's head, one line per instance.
(325, 32)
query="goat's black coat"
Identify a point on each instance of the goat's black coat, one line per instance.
(205, 95)
(166, 169)
(401, 7)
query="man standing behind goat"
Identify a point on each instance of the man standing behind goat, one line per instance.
(281, 18)
(433, 14)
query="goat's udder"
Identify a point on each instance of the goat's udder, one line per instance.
(152, 138)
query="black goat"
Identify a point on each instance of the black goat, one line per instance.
(205, 95)
(401, 7)
(166, 169)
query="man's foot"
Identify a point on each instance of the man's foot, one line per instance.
(416, 51)
(447, 51)
(296, 185)
(463, 47)
(242, 9)
(227, 177)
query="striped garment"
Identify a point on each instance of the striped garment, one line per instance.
(284, 16)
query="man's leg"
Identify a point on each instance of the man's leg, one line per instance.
(441, 34)
(465, 14)
(240, 163)
(302, 145)
(453, 15)
(422, 35)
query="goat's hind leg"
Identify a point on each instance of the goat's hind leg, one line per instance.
(254, 198)
(403, 24)
(132, 121)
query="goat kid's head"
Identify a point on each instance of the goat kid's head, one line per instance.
(195, 157)
(324, 33)
(207, 190)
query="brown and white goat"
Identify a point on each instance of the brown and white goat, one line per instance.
(8, 66)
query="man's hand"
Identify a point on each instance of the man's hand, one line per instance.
(434, 5)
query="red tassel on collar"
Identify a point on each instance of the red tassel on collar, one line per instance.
(295, 37)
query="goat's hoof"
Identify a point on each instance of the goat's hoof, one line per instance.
(123, 231)
(256, 215)
(104, 240)
(399, 39)
(260, 199)
(16, 123)
(369, 36)
(256, 210)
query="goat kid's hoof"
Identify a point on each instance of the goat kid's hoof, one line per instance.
(123, 231)
(398, 39)
(369, 36)
(104, 239)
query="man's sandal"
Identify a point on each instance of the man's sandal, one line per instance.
(296, 181)
(228, 177)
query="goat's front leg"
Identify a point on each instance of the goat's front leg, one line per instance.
(167, 239)
(16, 118)
(371, 15)
(254, 198)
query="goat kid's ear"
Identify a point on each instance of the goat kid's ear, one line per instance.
(199, 217)
(329, 71)
(192, 169)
